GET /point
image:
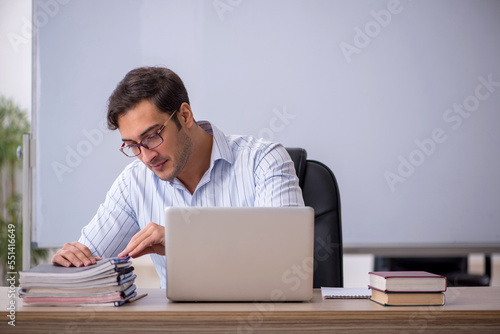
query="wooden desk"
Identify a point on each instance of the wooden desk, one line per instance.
(474, 310)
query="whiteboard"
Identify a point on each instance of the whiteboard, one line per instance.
(399, 98)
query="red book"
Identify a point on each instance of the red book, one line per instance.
(407, 281)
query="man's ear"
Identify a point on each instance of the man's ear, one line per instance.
(185, 115)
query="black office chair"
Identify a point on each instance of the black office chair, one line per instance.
(320, 191)
(455, 269)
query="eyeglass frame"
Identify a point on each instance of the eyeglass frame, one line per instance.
(138, 145)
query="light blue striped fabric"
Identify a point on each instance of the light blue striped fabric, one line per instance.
(244, 171)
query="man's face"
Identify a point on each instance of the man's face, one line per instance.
(169, 158)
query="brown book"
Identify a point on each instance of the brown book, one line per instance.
(408, 298)
(407, 281)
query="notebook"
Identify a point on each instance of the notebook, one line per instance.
(239, 254)
(345, 293)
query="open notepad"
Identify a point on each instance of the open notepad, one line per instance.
(345, 293)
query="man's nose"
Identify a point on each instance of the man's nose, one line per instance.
(148, 155)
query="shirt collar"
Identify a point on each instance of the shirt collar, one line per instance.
(220, 151)
(220, 146)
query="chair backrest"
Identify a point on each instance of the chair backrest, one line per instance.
(320, 191)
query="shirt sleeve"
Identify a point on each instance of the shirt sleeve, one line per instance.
(114, 224)
(277, 184)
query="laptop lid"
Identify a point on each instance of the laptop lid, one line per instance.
(239, 254)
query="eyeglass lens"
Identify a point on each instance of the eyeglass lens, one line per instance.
(149, 143)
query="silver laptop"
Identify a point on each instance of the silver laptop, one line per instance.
(239, 254)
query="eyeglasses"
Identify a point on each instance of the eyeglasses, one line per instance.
(152, 141)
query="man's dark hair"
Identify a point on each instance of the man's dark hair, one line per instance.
(159, 85)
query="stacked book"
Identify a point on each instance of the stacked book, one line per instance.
(407, 288)
(109, 282)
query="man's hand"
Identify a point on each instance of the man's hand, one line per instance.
(150, 239)
(75, 254)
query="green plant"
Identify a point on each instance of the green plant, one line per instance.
(13, 124)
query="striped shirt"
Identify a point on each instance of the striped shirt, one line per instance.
(244, 171)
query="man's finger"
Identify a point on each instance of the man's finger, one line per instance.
(142, 247)
(86, 253)
(137, 246)
(132, 246)
(78, 254)
(58, 259)
(149, 240)
(75, 254)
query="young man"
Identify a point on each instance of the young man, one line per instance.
(180, 162)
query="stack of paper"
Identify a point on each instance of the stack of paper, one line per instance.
(109, 282)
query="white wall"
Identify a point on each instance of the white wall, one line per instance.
(15, 57)
(399, 98)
